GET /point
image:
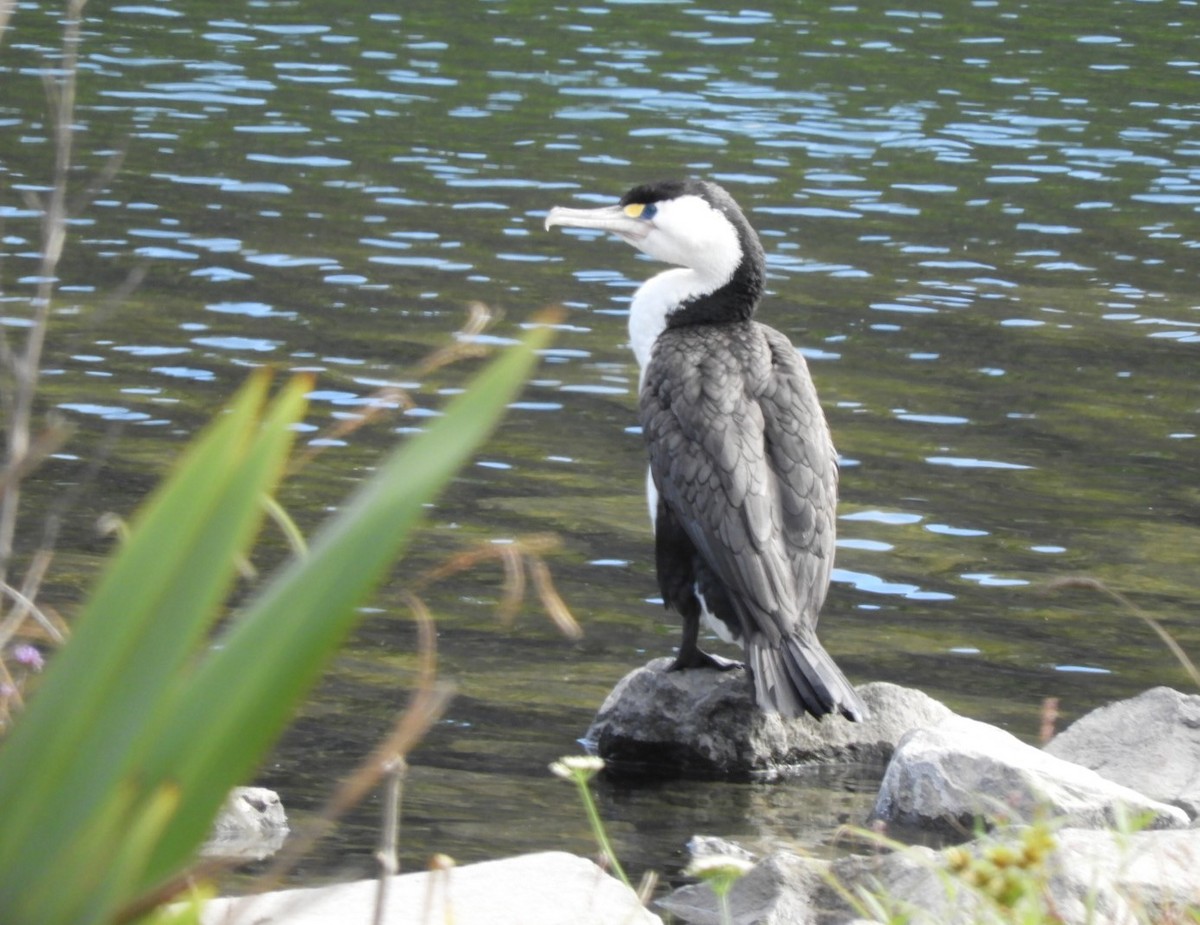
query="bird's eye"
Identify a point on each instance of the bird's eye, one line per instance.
(644, 210)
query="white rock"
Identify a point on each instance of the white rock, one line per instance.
(1150, 743)
(551, 888)
(1126, 878)
(251, 825)
(948, 776)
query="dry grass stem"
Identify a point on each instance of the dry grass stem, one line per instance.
(21, 357)
(389, 834)
(1093, 584)
(552, 603)
(387, 399)
(291, 532)
(21, 370)
(480, 317)
(441, 868)
(520, 558)
(427, 706)
(6, 11)
(513, 561)
(393, 398)
(25, 608)
(647, 886)
(1049, 719)
(45, 444)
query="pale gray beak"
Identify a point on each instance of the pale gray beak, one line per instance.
(607, 218)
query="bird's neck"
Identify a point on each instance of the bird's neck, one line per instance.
(735, 299)
(678, 297)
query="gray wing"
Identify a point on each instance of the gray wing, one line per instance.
(740, 450)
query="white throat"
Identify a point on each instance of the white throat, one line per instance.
(660, 295)
(654, 300)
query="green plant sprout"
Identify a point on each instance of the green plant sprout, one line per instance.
(581, 769)
(720, 872)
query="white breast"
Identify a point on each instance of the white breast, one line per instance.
(656, 298)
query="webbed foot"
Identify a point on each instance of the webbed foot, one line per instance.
(697, 658)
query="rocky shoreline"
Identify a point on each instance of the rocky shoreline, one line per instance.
(1118, 793)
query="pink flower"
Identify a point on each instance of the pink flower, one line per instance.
(29, 656)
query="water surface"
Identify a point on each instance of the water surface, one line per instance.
(981, 228)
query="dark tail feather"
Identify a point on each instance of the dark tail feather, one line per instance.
(799, 676)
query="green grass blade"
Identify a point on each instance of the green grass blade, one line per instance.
(102, 697)
(244, 692)
(135, 707)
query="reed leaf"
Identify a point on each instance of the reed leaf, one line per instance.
(139, 706)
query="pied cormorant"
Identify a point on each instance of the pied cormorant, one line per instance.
(743, 474)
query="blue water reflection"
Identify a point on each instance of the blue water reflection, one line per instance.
(980, 223)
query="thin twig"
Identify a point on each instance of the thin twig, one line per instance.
(25, 607)
(521, 556)
(389, 834)
(46, 443)
(100, 181)
(388, 398)
(394, 398)
(40, 562)
(24, 368)
(428, 704)
(479, 318)
(6, 11)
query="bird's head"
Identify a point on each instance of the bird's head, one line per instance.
(688, 223)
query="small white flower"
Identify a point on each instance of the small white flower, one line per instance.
(571, 766)
(720, 871)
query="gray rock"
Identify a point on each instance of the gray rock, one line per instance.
(551, 888)
(710, 846)
(705, 724)
(788, 889)
(911, 886)
(783, 889)
(947, 777)
(1090, 876)
(1150, 743)
(251, 825)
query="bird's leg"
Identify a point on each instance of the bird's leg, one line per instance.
(692, 656)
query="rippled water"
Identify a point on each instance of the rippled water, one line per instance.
(981, 227)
